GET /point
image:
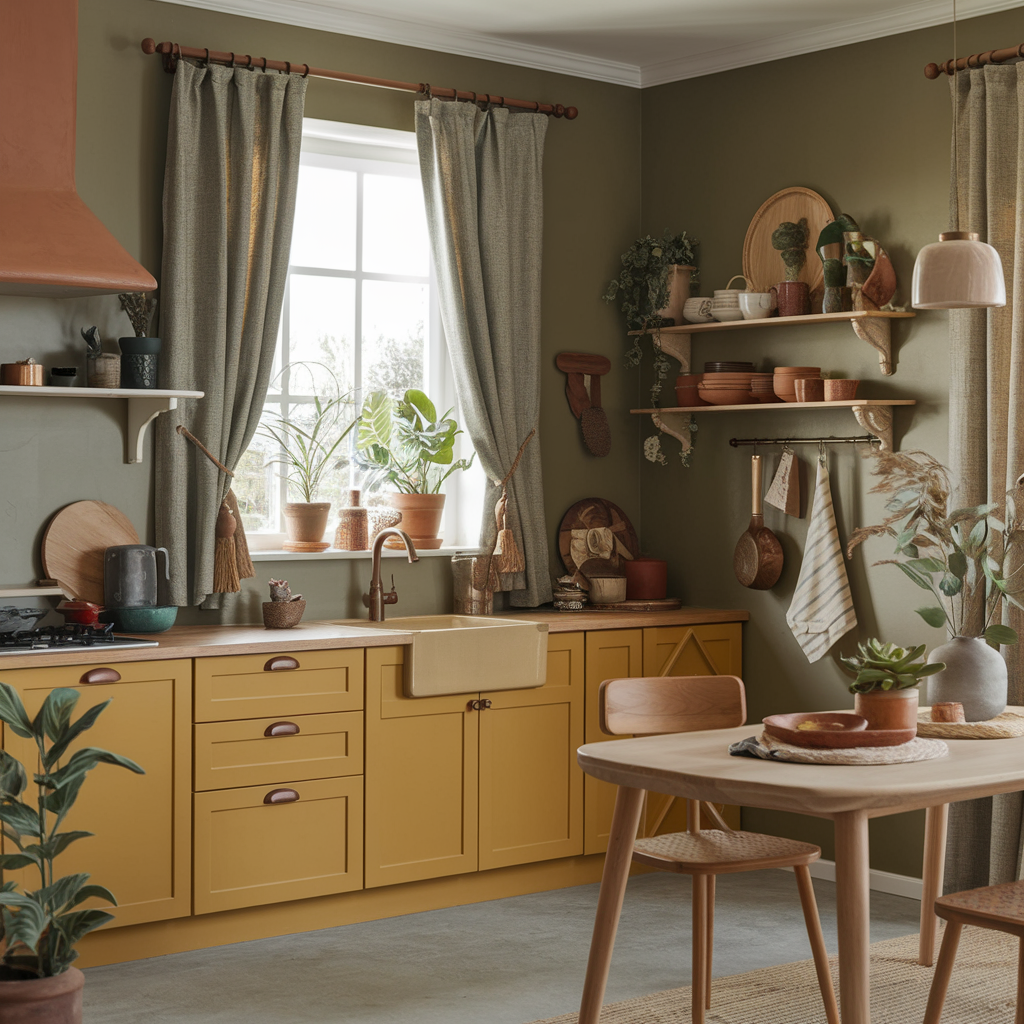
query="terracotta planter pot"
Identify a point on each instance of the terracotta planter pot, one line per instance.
(55, 1000)
(888, 709)
(421, 519)
(306, 523)
(646, 579)
(840, 390)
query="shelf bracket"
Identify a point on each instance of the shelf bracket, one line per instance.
(675, 424)
(141, 412)
(876, 419)
(877, 332)
(675, 345)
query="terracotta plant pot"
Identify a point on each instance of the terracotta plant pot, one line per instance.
(306, 523)
(56, 1000)
(840, 390)
(646, 579)
(888, 709)
(421, 519)
(282, 614)
(809, 389)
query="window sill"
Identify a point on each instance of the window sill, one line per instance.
(333, 553)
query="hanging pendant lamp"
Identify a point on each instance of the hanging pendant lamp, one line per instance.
(959, 271)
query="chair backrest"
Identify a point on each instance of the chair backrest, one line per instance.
(650, 705)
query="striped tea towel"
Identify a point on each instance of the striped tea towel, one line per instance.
(822, 607)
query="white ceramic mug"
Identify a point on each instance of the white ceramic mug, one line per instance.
(756, 305)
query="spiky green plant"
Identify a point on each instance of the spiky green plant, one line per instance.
(879, 666)
(39, 929)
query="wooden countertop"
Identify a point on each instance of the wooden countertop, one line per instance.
(575, 622)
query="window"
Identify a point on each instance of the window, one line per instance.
(360, 313)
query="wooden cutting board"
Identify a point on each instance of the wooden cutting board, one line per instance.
(74, 543)
(595, 536)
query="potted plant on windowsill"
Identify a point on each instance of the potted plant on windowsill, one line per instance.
(968, 561)
(39, 929)
(404, 443)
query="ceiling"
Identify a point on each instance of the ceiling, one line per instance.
(637, 43)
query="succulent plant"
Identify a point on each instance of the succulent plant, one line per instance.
(879, 666)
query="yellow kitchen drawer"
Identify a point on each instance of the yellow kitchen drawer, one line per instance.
(261, 751)
(278, 685)
(268, 844)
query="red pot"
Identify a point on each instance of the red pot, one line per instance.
(84, 612)
(646, 579)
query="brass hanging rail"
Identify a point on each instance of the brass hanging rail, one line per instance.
(172, 52)
(976, 60)
(736, 442)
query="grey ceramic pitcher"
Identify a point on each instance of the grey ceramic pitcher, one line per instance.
(130, 575)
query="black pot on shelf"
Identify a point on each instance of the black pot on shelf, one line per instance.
(139, 360)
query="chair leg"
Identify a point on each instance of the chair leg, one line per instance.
(817, 940)
(699, 970)
(1018, 1017)
(943, 969)
(710, 939)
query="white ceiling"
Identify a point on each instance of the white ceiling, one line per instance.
(629, 42)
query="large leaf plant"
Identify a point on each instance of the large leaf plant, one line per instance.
(39, 929)
(404, 443)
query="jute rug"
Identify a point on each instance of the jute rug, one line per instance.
(981, 991)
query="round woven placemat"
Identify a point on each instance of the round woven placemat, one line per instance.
(1005, 726)
(917, 749)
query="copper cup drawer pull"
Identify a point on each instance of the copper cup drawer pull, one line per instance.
(281, 796)
(281, 729)
(101, 675)
(282, 664)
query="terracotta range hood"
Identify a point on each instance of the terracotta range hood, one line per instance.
(50, 241)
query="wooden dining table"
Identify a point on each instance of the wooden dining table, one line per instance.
(698, 766)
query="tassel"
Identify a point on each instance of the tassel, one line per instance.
(246, 570)
(510, 558)
(225, 559)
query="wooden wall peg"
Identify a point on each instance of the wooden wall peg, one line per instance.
(583, 390)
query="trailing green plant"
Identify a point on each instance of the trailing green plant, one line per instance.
(309, 449)
(964, 557)
(879, 666)
(40, 928)
(403, 442)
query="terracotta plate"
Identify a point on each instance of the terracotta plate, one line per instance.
(837, 729)
(596, 537)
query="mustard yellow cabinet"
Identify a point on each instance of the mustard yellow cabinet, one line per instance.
(531, 789)
(141, 849)
(704, 650)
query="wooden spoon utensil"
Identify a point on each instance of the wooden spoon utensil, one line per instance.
(585, 401)
(757, 560)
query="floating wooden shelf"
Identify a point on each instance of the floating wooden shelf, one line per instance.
(873, 414)
(869, 325)
(30, 591)
(143, 407)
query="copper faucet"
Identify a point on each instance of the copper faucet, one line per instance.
(376, 598)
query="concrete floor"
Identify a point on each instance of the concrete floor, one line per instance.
(503, 962)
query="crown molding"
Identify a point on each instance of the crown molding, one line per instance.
(424, 36)
(923, 14)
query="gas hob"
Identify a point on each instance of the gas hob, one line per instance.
(51, 639)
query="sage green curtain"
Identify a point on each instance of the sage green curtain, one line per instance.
(986, 433)
(483, 184)
(229, 199)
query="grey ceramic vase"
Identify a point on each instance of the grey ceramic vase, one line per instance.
(975, 675)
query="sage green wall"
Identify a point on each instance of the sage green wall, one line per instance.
(862, 126)
(52, 454)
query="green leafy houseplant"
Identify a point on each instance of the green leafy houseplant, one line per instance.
(879, 666)
(403, 442)
(40, 928)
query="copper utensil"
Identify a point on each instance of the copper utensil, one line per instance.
(757, 560)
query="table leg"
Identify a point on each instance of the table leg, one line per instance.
(625, 821)
(852, 907)
(931, 882)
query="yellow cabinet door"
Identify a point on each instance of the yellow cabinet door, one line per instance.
(421, 778)
(267, 844)
(531, 789)
(141, 849)
(610, 654)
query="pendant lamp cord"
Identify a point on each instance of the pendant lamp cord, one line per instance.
(956, 133)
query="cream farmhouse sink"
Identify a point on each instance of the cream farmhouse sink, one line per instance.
(468, 653)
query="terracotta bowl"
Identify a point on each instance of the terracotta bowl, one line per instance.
(809, 389)
(834, 729)
(840, 390)
(725, 396)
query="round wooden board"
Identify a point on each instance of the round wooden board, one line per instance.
(74, 543)
(762, 264)
(663, 604)
(604, 539)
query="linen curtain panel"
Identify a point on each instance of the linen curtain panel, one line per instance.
(229, 200)
(482, 180)
(986, 434)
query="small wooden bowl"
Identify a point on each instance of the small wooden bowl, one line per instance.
(847, 730)
(282, 614)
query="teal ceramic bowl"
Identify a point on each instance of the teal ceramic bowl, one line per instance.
(142, 620)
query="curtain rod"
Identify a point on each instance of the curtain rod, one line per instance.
(864, 439)
(976, 60)
(171, 52)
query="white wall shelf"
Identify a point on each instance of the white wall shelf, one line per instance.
(32, 590)
(873, 414)
(143, 407)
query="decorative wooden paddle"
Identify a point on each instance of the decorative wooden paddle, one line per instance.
(758, 557)
(586, 403)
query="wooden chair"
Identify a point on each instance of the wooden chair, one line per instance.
(998, 907)
(657, 705)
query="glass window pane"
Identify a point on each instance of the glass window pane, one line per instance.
(255, 479)
(324, 233)
(394, 226)
(322, 327)
(394, 326)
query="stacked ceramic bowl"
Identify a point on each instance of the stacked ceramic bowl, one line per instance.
(725, 305)
(726, 383)
(784, 383)
(762, 388)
